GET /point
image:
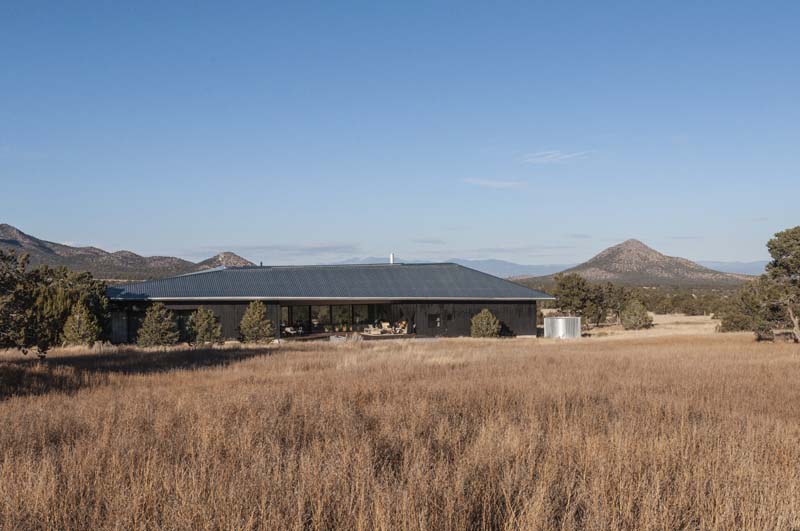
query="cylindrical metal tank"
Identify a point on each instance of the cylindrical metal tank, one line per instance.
(562, 327)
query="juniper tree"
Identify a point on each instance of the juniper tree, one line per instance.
(158, 327)
(485, 324)
(81, 327)
(783, 273)
(35, 303)
(255, 327)
(203, 327)
(635, 317)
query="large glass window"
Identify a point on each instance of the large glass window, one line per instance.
(321, 318)
(360, 315)
(380, 313)
(284, 316)
(342, 317)
(300, 318)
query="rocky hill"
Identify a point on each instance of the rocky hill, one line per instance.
(633, 263)
(120, 265)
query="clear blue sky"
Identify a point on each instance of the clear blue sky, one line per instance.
(308, 132)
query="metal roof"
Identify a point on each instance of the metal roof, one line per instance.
(342, 282)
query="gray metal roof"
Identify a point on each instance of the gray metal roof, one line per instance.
(344, 282)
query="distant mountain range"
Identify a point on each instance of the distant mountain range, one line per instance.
(635, 264)
(506, 269)
(743, 268)
(630, 262)
(498, 268)
(120, 265)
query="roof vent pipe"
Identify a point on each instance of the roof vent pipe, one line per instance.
(391, 258)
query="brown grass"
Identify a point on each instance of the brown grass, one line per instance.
(656, 433)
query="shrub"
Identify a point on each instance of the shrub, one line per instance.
(485, 324)
(635, 316)
(255, 327)
(81, 327)
(203, 327)
(158, 328)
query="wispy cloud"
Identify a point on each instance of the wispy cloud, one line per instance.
(498, 185)
(685, 237)
(554, 156)
(428, 241)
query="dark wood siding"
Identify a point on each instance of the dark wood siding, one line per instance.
(454, 319)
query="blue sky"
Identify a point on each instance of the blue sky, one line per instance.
(302, 132)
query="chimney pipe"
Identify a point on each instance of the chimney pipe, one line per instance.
(391, 258)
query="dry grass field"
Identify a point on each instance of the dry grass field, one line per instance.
(637, 432)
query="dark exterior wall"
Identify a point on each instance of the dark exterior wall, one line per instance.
(517, 318)
(454, 319)
(126, 318)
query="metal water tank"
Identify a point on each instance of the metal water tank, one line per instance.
(562, 327)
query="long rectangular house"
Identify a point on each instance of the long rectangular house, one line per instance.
(422, 299)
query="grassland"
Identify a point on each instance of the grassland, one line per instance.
(680, 432)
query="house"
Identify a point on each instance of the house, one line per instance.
(424, 299)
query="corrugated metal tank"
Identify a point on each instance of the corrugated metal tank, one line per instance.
(562, 327)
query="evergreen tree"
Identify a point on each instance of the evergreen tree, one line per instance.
(485, 324)
(783, 274)
(635, 316)
(571, 292)
(158, 328)
(35, 304)
(16, 300)
(81, 327)
(255, 327)
(203, 327)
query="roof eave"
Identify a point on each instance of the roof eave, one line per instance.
(368, 299)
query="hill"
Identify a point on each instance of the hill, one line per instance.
(120, 265)
(633, 263)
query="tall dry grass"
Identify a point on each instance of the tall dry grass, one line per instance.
(680, 433)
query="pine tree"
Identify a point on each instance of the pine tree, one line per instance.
(81, 327)
(204, 328)
(255, 327)
(485, 324)
(158, 328)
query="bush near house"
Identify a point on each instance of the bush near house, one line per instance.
(485, 324)
(158, 328)
(204, 328)
(255, 327)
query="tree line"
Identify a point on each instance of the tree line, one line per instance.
(600, 303)
(160, 328)
(45, 307)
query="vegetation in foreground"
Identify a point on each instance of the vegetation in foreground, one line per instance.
(661, 433)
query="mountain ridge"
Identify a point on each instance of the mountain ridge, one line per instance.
(117, 265)
(634, 263)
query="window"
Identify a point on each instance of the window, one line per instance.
(342, 316)
(360, 314)
(284, 316)
(434, 320)
(321, 318)
(300, 317)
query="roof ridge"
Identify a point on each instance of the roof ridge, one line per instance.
(304, 266)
